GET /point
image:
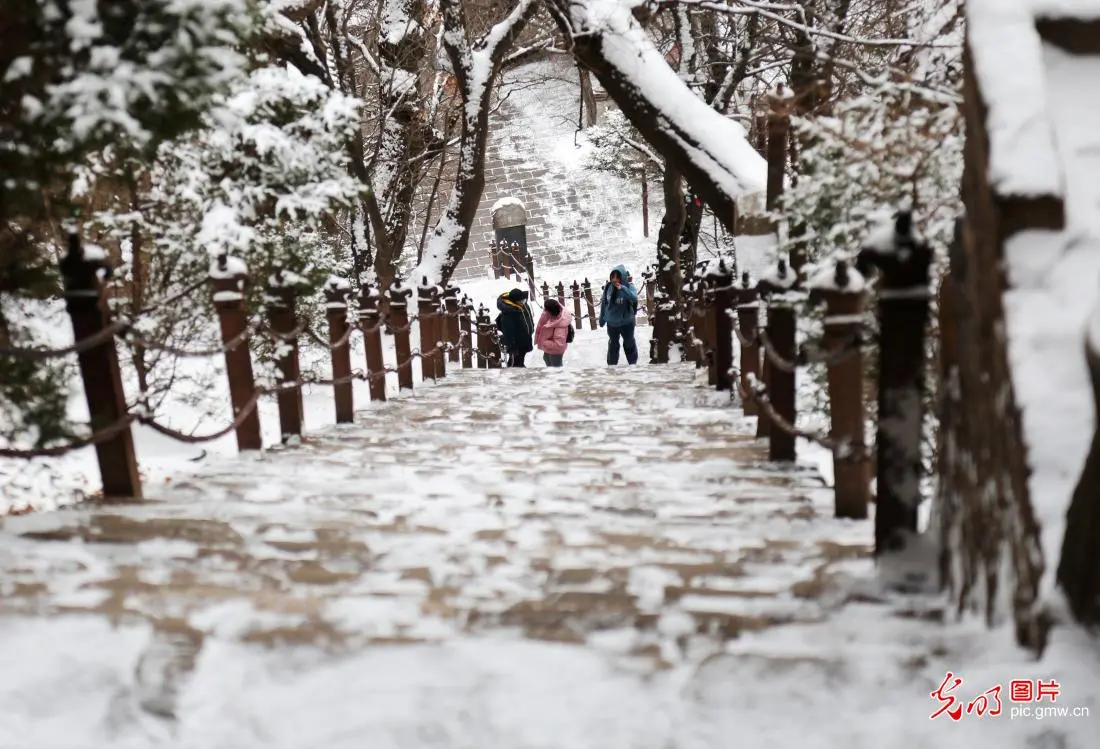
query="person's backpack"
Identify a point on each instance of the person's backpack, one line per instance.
(569, 334)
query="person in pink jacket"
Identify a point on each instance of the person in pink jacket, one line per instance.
(553, 333)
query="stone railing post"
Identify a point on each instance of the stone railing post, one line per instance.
(593, 319)
(484, 341)
(650, 290)
(693, 312)
(370, 319)
(465, 332)
(505, 260)
(748, 319)
(228, 281)
(86, 304)
(336, 310)
(575, 288)
(451, 323)
(723, 327)
(561, 294)
(281, 300)
(494, 254)
(843, 291)
(398, 322)
(781, 330)
(707, 288)
(904, 264)
(427, 310)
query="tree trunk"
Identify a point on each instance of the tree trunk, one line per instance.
(669, 274)
(475, 68)
(589, 108)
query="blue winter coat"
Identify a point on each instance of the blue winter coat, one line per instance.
(618, 306)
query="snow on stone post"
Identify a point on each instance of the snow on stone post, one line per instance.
(650, 278)
(723, 327)
(494, 254)
(370, 319)
(427, 309)
(82, 271)
(586, 288)
(398, 323)
(843, 290)
(748, 318)
(228, 279)
(280, 302)
(336, 310)
(439, 332)
(663, 329)
(465, 340)
(451, 328)
(505, 260)
(529, 265)
(561, 294)
(904, 264)
(777, 289)
(575, 289)
(484, 340)
(706, 319)
(510, 228)
(694, 310)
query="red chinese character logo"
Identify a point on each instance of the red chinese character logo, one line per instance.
(948, 703)
(1021, 690)
(1047, 689)
(980, 704)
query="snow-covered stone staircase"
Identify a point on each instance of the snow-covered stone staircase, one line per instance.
(560, 503)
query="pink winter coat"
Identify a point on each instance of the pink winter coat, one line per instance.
(551, 332)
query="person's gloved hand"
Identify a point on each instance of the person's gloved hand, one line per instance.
(601, 322)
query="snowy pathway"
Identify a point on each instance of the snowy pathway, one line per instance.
(558, 502)
(573, 558)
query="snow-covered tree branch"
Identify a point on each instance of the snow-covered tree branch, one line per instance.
(475, 65)
(708, 149)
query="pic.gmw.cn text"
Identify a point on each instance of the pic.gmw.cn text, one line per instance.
(1032, 699)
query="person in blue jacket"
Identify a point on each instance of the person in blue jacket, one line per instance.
(617, 310)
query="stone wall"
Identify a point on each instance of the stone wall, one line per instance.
(572, 212)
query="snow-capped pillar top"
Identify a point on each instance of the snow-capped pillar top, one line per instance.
(399, 294)
(508, 212)
(838, 277)
(901, 256)
(82, 268)
(283, 287)
(228, 279)
(778, 279)
(337, 290)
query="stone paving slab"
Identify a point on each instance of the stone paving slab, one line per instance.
(557, 504)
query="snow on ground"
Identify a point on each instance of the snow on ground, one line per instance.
(587, 557)
(45, 484)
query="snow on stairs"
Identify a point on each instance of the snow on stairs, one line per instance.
(563, 504)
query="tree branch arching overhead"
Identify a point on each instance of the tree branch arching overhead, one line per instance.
(708, 149)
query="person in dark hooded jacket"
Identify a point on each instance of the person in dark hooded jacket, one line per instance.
(516, 324)
(617, 310)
